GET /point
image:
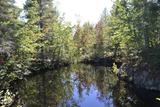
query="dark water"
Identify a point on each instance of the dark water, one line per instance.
(80, 86)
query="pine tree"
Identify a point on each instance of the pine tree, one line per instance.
(29, 32)
(134, 27)
(40, 15)
(45, 31)
(8, 24)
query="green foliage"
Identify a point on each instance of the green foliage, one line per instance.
(131, 33)
(84, 38)
(61, 46)
(131, 30)
(132, 27)
(42, 36)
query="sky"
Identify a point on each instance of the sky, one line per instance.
(79, 10)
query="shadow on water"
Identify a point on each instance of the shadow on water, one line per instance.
(79, 86)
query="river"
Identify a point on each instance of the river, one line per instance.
(81, 86)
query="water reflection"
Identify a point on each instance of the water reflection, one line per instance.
(76, 86)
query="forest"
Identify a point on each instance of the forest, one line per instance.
(36, 38)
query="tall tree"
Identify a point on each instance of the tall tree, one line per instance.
(8, 23)
(45, 31)
(85, 39)
(99, 39)
(133, 26)
(101, 34)
(40, 15)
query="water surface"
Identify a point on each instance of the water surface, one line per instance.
(79, 86)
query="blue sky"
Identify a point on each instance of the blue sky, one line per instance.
(79, 10)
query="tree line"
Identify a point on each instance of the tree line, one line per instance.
(34, 34)
(129, 33)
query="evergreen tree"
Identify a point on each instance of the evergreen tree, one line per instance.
(85, 39)
(43, 33)
(99, 46)
(134, 27)
(8, 24)
(40, 15)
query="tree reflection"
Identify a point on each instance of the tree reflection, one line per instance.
(125, 97)
(68, 87)
(100, 78)
(47, 90)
